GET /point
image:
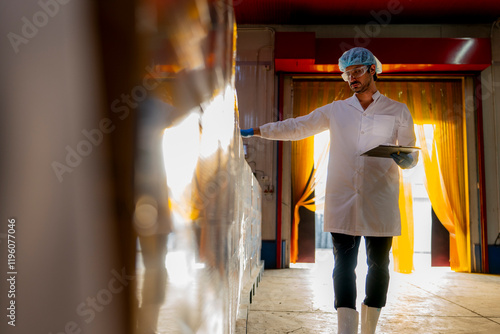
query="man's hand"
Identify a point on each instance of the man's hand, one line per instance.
(404, 160)
(246, 133)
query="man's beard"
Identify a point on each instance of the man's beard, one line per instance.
(361, 88)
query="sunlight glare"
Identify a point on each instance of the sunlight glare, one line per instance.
(218, 123)
(181, 147)
(180, 268)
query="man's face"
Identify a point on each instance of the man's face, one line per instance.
(363, 82)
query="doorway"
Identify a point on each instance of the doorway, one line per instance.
(437, 108)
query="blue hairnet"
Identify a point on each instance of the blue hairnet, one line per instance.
(359, 56)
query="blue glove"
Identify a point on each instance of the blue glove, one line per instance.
(246, 133)
(404, 160)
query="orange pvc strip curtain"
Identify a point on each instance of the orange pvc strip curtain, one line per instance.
(402, 246)
(437, 104)
(308, 95)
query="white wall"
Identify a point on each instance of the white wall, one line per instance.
(255, 86)
(491, 121)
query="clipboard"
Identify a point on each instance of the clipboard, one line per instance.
(385, 151)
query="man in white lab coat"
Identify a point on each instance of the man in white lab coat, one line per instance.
(362, 192)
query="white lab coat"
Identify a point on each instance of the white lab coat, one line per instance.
(361, 192)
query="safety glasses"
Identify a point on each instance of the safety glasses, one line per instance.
(354, 73)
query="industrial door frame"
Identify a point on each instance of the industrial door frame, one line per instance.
(475, 159)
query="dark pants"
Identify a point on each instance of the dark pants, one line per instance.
(345, 251)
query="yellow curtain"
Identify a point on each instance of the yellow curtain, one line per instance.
(308, 201)
(445, 162)
(437, 109)
(402, 246)
(308, 95)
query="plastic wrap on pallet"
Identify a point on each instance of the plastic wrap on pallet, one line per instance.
(197, 211)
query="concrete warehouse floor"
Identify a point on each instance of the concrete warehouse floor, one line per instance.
(431, 300)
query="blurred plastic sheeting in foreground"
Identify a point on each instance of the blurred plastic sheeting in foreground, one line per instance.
(119, 142)
(55, 175)
(197, 210)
